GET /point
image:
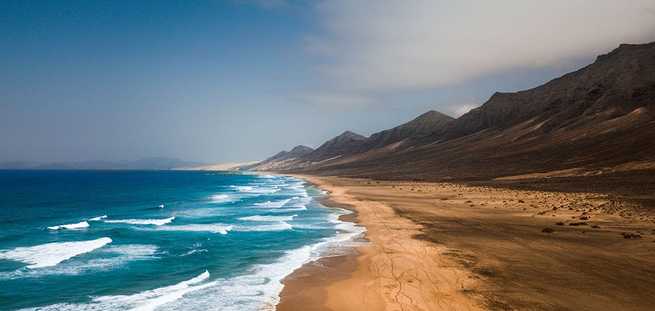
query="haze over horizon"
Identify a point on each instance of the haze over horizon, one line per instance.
(220, 81)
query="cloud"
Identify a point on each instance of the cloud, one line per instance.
(404, 45)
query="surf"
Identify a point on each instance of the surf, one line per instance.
(51, 254)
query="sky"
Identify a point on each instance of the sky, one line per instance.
(238, 80)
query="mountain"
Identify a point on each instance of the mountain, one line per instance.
(346, 143)
(283, 158)
(615, 84)
(599, 118)
(423, 125)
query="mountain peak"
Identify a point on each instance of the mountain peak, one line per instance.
(301, 149)
(350, 135)
(432, 116)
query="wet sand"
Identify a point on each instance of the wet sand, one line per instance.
(438, 246)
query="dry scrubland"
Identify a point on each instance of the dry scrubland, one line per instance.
(440, 246)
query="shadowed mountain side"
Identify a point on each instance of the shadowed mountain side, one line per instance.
(595, 120)
(282, 158)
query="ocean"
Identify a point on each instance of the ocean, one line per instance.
(158, 240)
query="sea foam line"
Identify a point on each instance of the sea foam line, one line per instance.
(272, 204)
(156, 222)
(260, 287)
(75, 226)
(144, 301)
(51, 254)
(226, 228)
(268, 218)
(108, 257)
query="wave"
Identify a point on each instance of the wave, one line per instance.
(279, 226)
(75, 226)
(255, 190)
(99, 218)
(194, 251)
(288, 210)
(143, 301)
(272, 204)
(111, 256)
(156, 222)
(213, 228)
(51, 254)
(258, 289)
(220, 198)
(226, 228)
(268, 218)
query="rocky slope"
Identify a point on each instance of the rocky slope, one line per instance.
(595, 119)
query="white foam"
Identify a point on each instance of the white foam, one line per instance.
(226, 228)
(268, 218)
(259, 289)
(194, 251)
(272, 204)
(75, 226)
(151, 299)
(156, 222)
(51, 254)
(256, 289)
(109, 257)
(256, 190)
(144, 301)
(99, 218)
(279, 226)
(287, 210)
(220, 198)
(214, 228)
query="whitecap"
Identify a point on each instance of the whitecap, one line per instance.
(220, 198)
(268, 218)
(213, 228)
(156, 222)
(143, 301)
(279, 226)
(256, 190)
(75, 226)
(51, 254)
(110, 257)
(272, 204)
(225, 228)
(99, 218)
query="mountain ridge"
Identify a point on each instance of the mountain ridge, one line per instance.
(600, 115)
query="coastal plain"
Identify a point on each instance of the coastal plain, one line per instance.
(448, 246)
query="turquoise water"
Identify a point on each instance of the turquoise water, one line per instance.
(157, 240)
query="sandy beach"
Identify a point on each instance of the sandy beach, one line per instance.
(439, 246)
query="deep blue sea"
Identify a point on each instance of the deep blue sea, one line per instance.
(157, 240)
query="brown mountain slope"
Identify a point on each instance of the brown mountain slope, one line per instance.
(346, 143)
(597, 117)
(350, 146)
(423, 125)
(282, 158)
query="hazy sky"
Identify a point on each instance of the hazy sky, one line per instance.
(218, 81)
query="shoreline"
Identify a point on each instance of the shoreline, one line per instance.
(390, 272)
(442, 246)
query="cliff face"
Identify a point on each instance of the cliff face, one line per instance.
(615, 84)
(597, 117)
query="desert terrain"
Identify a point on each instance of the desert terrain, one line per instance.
(447, 246)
